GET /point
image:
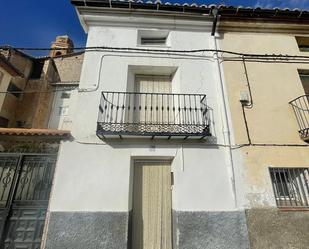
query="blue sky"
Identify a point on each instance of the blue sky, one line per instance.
(34, 23)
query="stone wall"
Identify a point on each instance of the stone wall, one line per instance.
(69, 67)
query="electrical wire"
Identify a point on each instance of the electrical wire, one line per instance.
(249, 57)
(31, 92)
(162, 50)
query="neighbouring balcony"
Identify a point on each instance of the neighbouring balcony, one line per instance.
(129, 114)
(301, 109)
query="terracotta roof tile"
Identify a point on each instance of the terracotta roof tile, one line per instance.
(34, 132)
(223, 10)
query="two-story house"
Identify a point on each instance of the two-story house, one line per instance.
(150, 165)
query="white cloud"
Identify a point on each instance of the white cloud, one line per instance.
(300, 4)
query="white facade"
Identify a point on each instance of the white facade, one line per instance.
(63, 108)
(98, 174)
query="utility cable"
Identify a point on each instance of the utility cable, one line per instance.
(159, 50)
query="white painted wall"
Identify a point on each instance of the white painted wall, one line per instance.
(93, 175)
(63, 109)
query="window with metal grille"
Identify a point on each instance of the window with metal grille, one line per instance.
(291, 186)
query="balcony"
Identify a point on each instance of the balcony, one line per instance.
(132, 114)
(301, 109)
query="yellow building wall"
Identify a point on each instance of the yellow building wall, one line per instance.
(271, 120)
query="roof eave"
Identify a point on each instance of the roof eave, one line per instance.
(227, 12)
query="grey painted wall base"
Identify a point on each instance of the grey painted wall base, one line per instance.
(268, 228)
(87, 230)
(275, 229)
(210, 230)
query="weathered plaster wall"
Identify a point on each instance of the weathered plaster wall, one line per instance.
(10, 104)
(4, 85)
(63, 109)
(91, 230)
(274, 229)
(34, 108)
(271, 120)
(69, 67)
(210, 230)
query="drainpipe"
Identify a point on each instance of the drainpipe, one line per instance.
(226, 126)
(214, 24)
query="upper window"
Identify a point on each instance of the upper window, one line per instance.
(291, 186)
(63, 110)
(13, 89)
(304, 77)
(152, 38)
(303, 43)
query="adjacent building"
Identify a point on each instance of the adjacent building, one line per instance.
(34, 93)
(268, 99)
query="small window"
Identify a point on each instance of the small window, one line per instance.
(63, 110)
(304, 77)
(14, 90)
(65, 95)
(4, 122)
(303, 43)
(153, 40)
(291, 186)
(152, 37)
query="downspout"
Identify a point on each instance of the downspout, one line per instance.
(226, 126)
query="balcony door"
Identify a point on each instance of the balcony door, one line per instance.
(151, 224)
(152, 107)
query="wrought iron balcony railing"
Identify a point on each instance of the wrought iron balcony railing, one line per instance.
(153, 114)
(301, 109)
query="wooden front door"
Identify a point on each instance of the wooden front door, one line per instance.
(152, 206)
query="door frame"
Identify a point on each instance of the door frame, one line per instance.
(147, 159)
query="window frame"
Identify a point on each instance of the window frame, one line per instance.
(290, 186)
(153, 35)
(303, 43)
